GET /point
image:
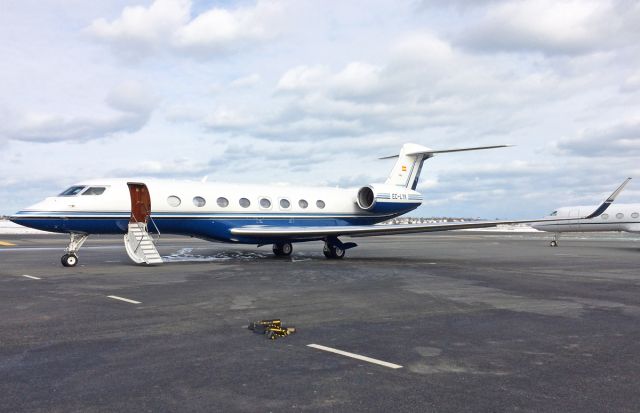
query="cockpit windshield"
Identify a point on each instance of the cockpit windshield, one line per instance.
(553, 214)
(94, 190)
(74, 190)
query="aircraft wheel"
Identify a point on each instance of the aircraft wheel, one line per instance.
(69, 260)
(553, 244)
(283, 250)
(333, 252)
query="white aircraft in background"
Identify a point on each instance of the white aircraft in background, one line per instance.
(620, 217)
(245, 214)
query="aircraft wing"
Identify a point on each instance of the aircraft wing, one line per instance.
(318, 232)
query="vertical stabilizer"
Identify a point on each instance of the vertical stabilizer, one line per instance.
(406, 171)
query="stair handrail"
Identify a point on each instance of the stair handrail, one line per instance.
(151, 219)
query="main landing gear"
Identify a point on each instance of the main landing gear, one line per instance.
(70, 259)
(282, 249)
(333, 252)
(554, 242)
(334, 249)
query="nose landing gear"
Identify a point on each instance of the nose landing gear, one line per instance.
(554, 242)
(70, 259)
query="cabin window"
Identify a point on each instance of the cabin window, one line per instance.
(74, 190)
(174, 201)
(635, 215)
(605, 216)
(245, 203)
(285, 204)
(320, 204)
(265, 203)
(619, 215)
(553, 214)
(199, 201)
(223, 202)
(303, 203)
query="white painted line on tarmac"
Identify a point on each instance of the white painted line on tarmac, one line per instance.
(115, 297)
(31, 276)
(356, 356)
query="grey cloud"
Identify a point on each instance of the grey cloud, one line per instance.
(287, 156)
(522, 189)
(620, 141)
(354, 181)
(554, 27)
(416, 90)
(174, 168)
(130, 101)
(462, 5)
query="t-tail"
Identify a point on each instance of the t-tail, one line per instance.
(406, 171)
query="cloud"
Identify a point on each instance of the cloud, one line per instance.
(525, 188)
(415, 90)
(246, 81)
(142, 28)
(566, 27)
(180, 167)
(302, 78)
(131, 105)
(167, 25)
(458, 4)
(631, 83)
(619, 140)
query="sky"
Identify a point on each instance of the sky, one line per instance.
(305, 92)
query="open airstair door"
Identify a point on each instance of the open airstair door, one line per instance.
(137, 241)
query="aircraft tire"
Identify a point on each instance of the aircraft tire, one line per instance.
(69, 260)
(282, 250)
(333, 252)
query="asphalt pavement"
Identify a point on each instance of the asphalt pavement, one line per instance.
(451, 322)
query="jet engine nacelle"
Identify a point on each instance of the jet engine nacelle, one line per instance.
(387, 198)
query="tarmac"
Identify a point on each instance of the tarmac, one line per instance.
(451, 322)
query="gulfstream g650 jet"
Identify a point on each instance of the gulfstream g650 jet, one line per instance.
(246, 214)
(620, 217)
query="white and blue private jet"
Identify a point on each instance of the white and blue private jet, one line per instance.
(246, 214)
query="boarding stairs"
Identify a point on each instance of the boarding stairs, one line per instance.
(140, 246)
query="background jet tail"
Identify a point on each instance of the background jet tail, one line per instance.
(406, 171)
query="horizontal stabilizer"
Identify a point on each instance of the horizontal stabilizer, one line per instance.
(427, 151)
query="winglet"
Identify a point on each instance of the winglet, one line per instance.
(603, 207)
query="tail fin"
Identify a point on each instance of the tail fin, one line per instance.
(603, 207)
(406, 171)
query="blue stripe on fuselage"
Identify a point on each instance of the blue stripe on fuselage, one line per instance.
(211, 227)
